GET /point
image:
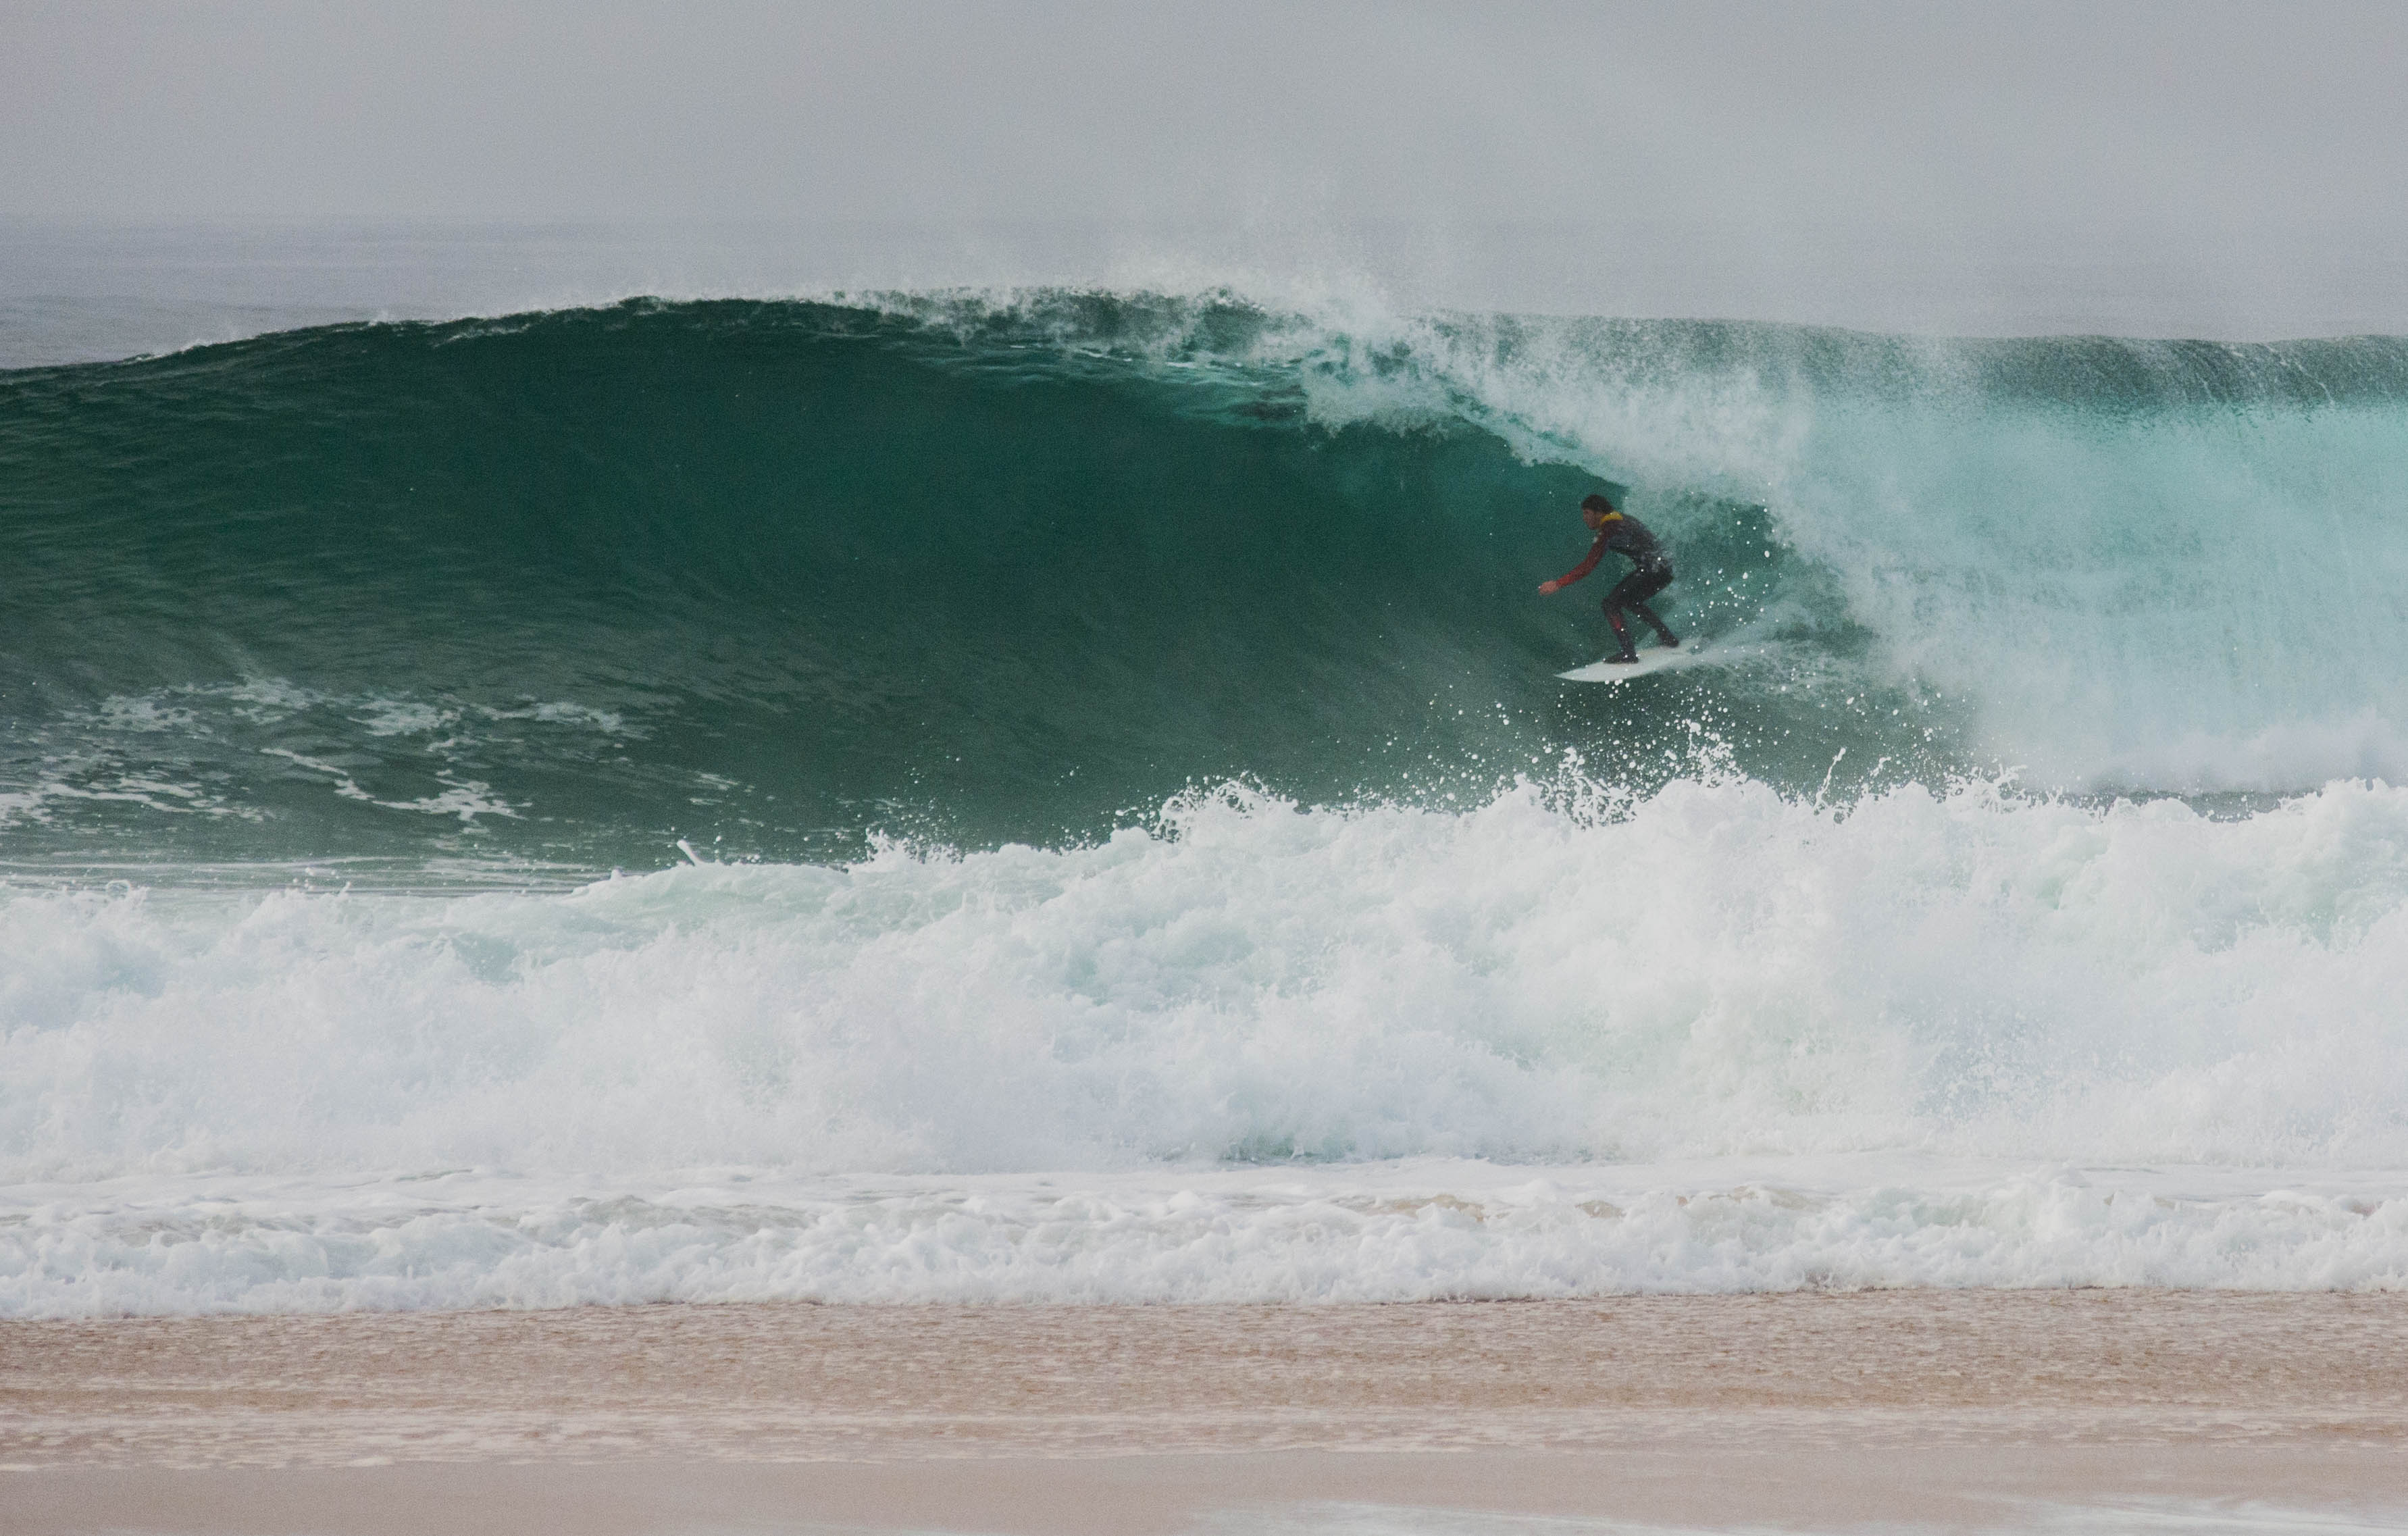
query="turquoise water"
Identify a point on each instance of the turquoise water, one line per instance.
(772, 579)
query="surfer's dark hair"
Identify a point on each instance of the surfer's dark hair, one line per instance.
(1597, 502)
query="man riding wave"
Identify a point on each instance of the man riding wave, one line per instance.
(1650, 572)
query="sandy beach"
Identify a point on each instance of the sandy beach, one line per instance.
(1950, 1409)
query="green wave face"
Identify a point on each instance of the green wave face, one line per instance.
(777, 578)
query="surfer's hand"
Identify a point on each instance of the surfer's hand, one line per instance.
(1548, 589)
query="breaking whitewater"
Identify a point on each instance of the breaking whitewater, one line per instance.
(1065, 798)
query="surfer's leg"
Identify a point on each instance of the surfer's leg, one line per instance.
(1621, 635)
(1662, 633)
(1613, 604)
(1645, 584)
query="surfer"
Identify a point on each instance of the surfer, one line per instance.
(1650, 572)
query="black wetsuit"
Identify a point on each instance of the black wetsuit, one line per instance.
(1650, 573)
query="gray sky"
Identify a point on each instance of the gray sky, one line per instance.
(2244, 147)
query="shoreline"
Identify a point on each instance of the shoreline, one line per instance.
(1933, 1407)
(2281, 1490)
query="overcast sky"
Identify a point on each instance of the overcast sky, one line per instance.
(2250, 135)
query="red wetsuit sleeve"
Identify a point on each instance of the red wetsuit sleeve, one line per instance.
(1595, 554)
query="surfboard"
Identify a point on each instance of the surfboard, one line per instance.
(1660, 659)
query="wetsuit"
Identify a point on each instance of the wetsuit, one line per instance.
(1650, 573)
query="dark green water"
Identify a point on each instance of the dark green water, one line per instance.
(772, 578)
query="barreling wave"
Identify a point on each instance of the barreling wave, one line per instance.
(770, 577)
(1130, 842)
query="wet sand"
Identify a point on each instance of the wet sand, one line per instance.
(1823, 1412)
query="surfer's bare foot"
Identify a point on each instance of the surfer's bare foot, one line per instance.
(1672, 642)
(1623, 661)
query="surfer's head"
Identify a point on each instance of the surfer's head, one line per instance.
(1595, 509)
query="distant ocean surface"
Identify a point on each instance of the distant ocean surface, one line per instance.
(1063, 795)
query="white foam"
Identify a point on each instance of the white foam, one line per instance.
(1417, 1230)
(2050, 994)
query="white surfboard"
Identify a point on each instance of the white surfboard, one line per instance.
(1650, 662)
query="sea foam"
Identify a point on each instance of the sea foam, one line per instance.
(2046, 1042)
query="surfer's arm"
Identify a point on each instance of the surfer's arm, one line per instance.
(1595, 554)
